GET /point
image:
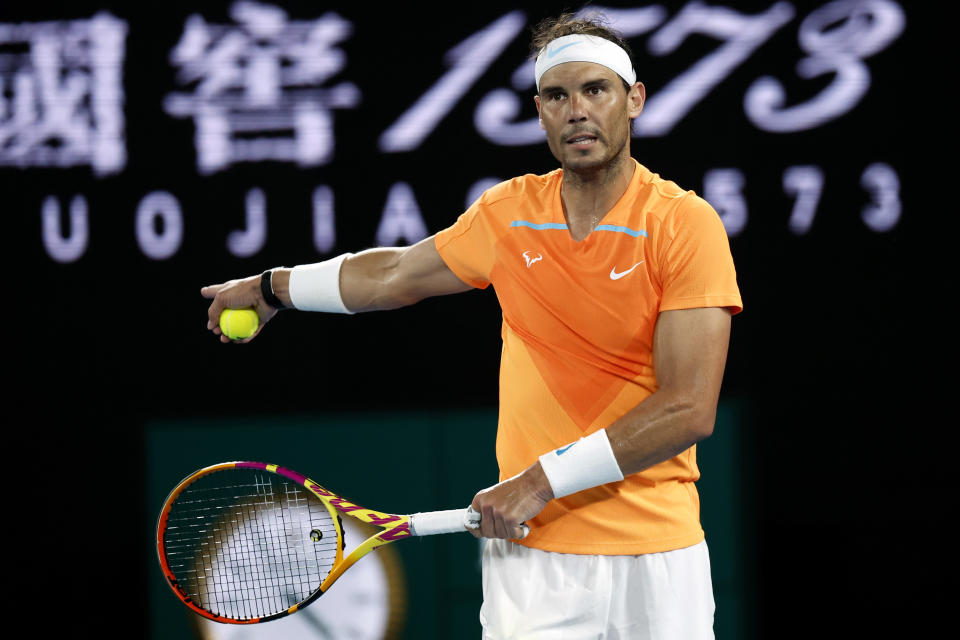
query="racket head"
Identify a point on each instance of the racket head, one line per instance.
(247, 542)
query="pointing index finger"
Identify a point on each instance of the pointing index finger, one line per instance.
(210, 291)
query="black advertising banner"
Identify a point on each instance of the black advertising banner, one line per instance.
(152, 149)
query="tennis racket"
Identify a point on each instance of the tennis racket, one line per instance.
(248, 542)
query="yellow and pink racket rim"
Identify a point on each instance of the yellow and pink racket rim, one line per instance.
(394, 526)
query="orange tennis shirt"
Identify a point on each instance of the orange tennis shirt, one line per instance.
(578, 322)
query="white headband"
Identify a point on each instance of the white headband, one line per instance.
(583, 48)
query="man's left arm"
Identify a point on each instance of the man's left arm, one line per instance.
(690, 353)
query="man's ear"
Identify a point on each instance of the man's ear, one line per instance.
(636, 98)
(536, 99)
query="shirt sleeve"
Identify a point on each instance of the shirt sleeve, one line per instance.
(467, 247)
(697, 267)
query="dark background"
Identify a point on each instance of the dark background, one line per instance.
(841, 477)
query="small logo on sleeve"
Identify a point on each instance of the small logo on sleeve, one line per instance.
(531, 259)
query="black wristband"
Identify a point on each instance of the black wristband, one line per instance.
(266, 289)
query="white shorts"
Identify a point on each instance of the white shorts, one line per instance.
(529, 594)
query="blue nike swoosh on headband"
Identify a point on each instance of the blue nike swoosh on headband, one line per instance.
(550, 54)
(560, 452)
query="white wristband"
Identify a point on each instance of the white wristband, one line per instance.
(586, 463)
(316, 287)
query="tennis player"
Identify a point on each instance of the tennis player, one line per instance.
(617, 289)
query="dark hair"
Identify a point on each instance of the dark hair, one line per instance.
(567, 24)
(593, 24)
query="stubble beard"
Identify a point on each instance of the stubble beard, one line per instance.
(605, 170)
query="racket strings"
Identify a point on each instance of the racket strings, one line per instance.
(247, 544)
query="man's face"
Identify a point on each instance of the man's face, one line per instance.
(586, 113)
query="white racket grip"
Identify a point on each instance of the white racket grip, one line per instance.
(434, 522)
(450, 521)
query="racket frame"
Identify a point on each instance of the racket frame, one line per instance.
(394, 527)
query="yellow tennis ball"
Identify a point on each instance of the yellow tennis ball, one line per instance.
(238, 324)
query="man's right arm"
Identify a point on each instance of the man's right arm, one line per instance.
(376, 279)
(388, 278)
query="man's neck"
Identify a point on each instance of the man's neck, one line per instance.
(588, 195)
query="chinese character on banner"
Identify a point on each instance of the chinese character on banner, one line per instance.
(61, 94)
(255, 90)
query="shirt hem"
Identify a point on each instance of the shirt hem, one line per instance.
(733, 302)
(617, 548)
